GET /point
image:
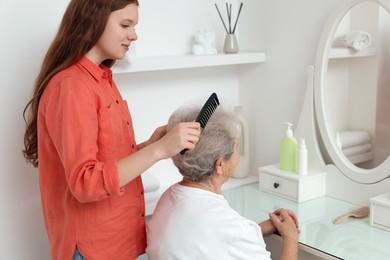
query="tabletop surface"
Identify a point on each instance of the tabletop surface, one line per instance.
(351, 239)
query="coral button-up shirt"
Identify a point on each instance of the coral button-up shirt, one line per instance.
(84, 127)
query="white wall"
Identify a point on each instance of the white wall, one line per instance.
(26, 28)
(288, 31)
(270, 93)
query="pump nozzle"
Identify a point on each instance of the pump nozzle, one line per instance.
(289, 132)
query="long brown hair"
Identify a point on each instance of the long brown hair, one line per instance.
(81, 27)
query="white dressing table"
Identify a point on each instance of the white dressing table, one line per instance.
(350, 239)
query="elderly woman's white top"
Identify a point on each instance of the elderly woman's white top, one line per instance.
(192, 223)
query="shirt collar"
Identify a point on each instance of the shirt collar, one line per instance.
(98, 72)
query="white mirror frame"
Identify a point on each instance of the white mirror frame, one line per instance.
(364, 176)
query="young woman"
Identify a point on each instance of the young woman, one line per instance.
(80, 136)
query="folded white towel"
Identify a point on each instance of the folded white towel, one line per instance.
(361, 157)
(357, 40)
(358, 149)
(354, 138)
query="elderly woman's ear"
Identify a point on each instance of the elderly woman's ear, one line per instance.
(218, 166)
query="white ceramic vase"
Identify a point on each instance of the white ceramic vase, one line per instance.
(231, 45)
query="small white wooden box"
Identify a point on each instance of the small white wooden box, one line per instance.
(380, 211)
(290, 185)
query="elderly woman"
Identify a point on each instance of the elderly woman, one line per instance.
(192, 219)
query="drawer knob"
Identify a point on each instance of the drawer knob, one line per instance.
(276, 185)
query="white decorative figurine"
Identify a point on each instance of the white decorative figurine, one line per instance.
(204, 43)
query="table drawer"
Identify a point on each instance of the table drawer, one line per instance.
(278, 185)
(291, 185)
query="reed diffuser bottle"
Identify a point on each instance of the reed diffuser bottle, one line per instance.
(230, 44)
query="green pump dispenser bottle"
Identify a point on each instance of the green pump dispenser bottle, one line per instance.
(288, 150)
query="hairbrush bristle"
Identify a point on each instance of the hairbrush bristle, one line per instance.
(206, 112)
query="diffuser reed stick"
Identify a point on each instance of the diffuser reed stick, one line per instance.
(229, 16)
(223, 22)
(238, 16)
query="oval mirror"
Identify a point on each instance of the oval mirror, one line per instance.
(350, 88)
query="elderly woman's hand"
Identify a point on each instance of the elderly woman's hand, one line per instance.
(268, 228)
(290, 213)
(286, 223)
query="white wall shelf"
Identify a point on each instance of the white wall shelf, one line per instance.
(155, 63)
(340, 53)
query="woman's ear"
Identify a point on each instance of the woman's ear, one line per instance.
(218, 166)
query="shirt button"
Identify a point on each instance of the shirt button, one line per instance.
(143, 214)
(142, 192)
(132, 146)
(128, 123)
(117, 101)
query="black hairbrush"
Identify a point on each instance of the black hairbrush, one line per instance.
(205, 113)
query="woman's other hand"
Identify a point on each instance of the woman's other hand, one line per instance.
(158, 134)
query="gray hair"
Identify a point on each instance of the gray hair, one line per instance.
(217, 140)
